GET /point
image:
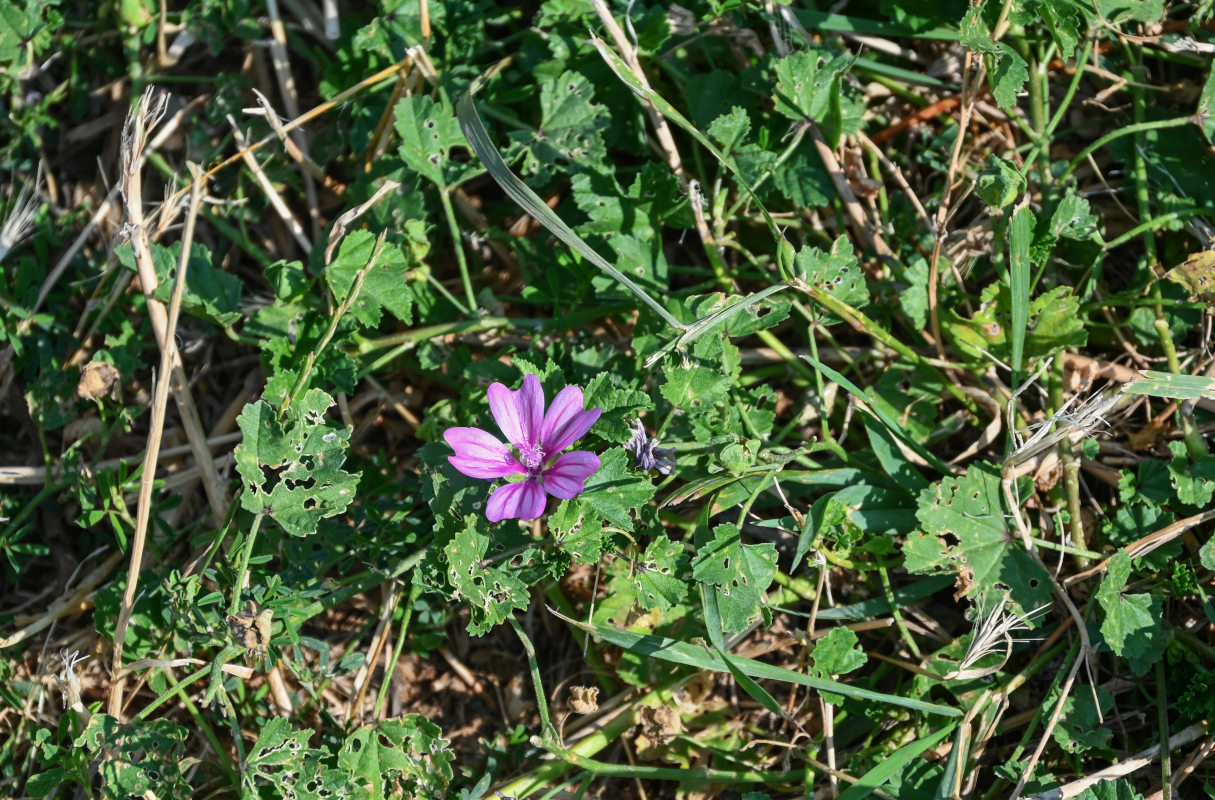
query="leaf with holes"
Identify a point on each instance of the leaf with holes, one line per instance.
(571, 127)
(569, 530)
(292, 468)
(404, 757)
(657, 577)
(835, 654)
(806, 82)
(282, 758)
(492, 593)
(741, 573)
(966, 531)
(143, 758)
(428, 132)
(836, 273)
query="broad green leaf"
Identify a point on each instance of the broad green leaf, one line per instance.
(1133, 626)
(837, 653)
(836, 273)
(616, 489)
(292, 469)
(404, 757)
(803, 180)
(1206, 108)
(428, 131)
(569, 529)
(1080, 729)
(617, 405)
(492, 592)
(740, 572)
(1196, 274)
(694, 386)
(571, 127)
(1117, 789)
(659, 575)
(210, 293)
(806, 82)
(730, 130)
(282, 758)
(1000, 183)
(386, 285)
(966, 530)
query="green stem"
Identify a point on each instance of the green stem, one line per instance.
(897, 613)
(549, 730)
(301, 381)
(242, 570)
(1128, 130)
(458, 243)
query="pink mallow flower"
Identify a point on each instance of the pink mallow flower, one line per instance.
(536, 441)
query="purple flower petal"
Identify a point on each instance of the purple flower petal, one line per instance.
(568, 475)
(519, 413)
(524, 500)
(480, 455)
(566, 422)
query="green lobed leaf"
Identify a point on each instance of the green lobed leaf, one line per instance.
(836, 273)
(292, 469)
(616, 490)
(1133, 626)
(282, 759)
(966, 530)
(571, 126)
(142, 757)
(740, 572)
(210, 293)
(807, 81)
(837, 653)
(404, 757)
(658, 575)
(492, 593)
(428, 131)
(386, 285)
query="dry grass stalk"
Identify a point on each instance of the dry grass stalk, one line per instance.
(276, 200)
(149, 112)
(628, 54)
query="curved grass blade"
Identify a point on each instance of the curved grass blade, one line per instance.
(669, 111)
(694, 656)
(891, 765)
(891, 424)
(521, 193)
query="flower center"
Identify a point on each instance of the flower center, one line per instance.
(531, 456)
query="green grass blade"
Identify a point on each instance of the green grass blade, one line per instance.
(1020, 237)
(690, 655)
(841, 23)
(892, 765)
(529, 201)
(891, 424)
(758, 693)
(1180, 387)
